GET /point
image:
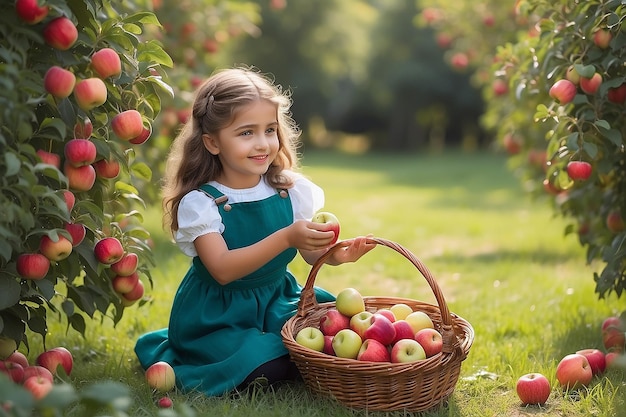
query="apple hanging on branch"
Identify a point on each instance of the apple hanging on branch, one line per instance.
(325, 217)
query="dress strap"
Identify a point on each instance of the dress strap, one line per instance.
(214, 193)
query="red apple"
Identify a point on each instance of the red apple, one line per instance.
(579, 170)
(596, 359)
(332, 321)
(124, 284)
(329, 219)
(59, 82)
(38, 386)
(60, 33)
(387, 313)
(135, 293)
(499, 87)
(55, 250)
(145, 134)
(360, 322)
(403, 330)
(19, 358)
(80, 152)
(612, 358)
(617, 94)
(13, 370)
(533, 388)
(373, 351)
(55, 357)
(106, 63)
(165, 402)
(83, 129)
(614, 339)
(37, 370)
(49, 158)
(328, 346)
(108, 250)
(127, 124)
(407, 350)
(77, 231)
(80, 178)
(70, 199)
(613, 321)
(614, 221)
(30, 11)
(512, 145)
(591, 85)
(126, 265)
(573, 372)
(107, 168)
(602, 38)
(32, 266)
(431, 340)
(90, 93)
(459, 60)
(563, 91)
(380, 329)
(160, 376)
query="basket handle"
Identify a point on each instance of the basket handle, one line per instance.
(308, 301)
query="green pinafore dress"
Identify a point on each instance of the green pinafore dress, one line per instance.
(218, 334)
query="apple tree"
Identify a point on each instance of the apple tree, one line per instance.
(74, 73)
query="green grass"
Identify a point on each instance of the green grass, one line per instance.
(501, 260)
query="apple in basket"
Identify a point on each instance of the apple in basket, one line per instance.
(419, 320)
(431, 340)
(349, 302)
(347, 343)
(407, 350)
(332, 321)
(373, 351)
(360, 322)
(380, 329)
(311, 337)
(401, 310)
(403, 330)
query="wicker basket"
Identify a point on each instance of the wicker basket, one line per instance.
(381, 386)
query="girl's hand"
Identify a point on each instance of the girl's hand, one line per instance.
(351, 253)
(309, 236)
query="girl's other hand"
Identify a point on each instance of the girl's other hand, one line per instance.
(309, 236)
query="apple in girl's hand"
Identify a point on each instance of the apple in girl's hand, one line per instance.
(346, 344)
(380, 329)
(401, 310)
(349, 302)
(32, 266)
(407, 350)
(328, 218)
(108, 250)
(431, 340)
(533, 388)
(403, 330)
(332, 321)
(160, 376)
(38, 386)
(373, 351)
(419, 320)
(573, 371)
(360, 322)
(311, 337)
(596, 359)
(55, 357)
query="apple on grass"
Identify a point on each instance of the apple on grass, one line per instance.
(90, 93)
(349, 302)
(127, 124)
(77, 231)
(30, 11)
(614, 338)
(332, 321)
(60, 33)
(346, 344)
(80, 178)
(401, 310)
(108, 250)
(573, 372)
(372, 350)
(55, 357)
(533, 388)
(126, 265)
(55, 250)
(13, 370)
(407, 350)
(613, 321)
(330, 219)
(49, 158)
(596, 359)
(380, 329)
(360, 322)
(165, 402)
(80, 152)
(431, 340)
(160, 376)
(419, 320)
(106, 63)
(403, 330)
(32, 265)
(59, 82)
(38, 386)
(38, 370)
(19, 358)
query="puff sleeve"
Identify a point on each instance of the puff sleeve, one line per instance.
(197, 216)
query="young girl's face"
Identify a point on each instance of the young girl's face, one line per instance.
(247, 146)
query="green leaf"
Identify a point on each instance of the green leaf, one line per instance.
(12, 164)
(602, 124)
(143, 17)
(109, 393)
(141, 170)
(9, 292)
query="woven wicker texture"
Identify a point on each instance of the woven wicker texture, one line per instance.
(381, 386)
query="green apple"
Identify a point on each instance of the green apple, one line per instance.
(407, 350)
(347, 344)
(419, 320)
(360, 322)
(401, 310)
(7, 347)
(311, 337)
(349, 302)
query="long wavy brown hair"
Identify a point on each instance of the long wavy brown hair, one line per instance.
(190, 164)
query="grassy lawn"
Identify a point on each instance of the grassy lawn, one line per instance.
(501, 260)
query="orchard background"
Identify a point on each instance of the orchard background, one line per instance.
(413, 76)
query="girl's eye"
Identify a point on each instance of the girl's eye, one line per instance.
(271, 130)
(246, 133)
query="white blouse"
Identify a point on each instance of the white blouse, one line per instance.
(197, 215)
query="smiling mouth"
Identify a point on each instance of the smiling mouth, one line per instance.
(259, 157)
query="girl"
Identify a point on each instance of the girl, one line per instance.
(233, 202)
